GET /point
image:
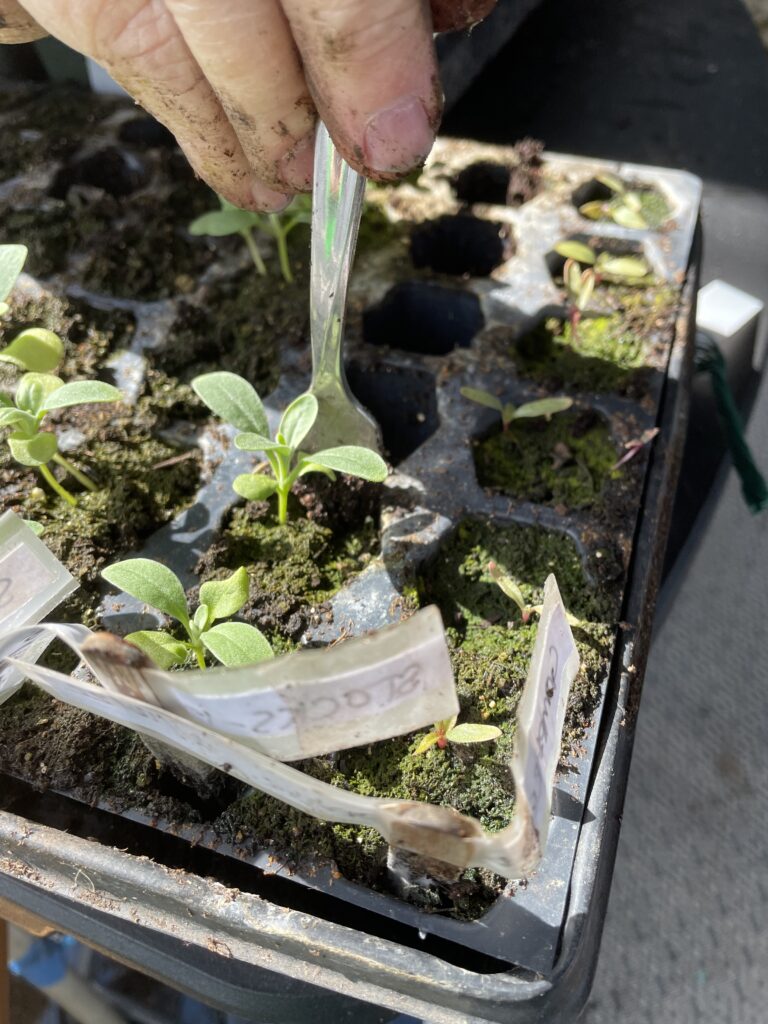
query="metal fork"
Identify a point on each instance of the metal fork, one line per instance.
(337, 203)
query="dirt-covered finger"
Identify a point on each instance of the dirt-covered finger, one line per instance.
(248, 55)
(373, 74)
(450, 15)
(138, 42)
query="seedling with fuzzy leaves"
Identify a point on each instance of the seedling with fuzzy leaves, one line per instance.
(629, 208)
(231, 220)
(231, 643)
(235, 401)
(546, 407)
(39, 391)
(446, 731)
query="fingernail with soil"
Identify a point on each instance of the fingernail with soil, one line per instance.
(267, 200)
(295, 168)
(399, 137)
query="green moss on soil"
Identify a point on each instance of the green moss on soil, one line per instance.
(565, 462)
(611, 353)
(490, 651)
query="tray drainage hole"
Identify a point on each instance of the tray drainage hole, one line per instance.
(424, 317)
(403, 402)
(565, 462)
(483, 182)
(461, 244)
(113, 170)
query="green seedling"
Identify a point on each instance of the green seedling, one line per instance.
(579, 286)
(40, 391)
(446, 731)
(508, 586)
(629, 208)
(629, 270)
(235, 401)
(231, 643)
(545, 407)
(231, 220)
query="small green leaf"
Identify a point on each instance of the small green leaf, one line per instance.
(426, 742)
(543, 407)
(150, 582)
(229, 221)
(507, 586)
(35, 349)
(573, 250)
(508, 414)
(237, 643)
(260, 443)
(482, 398)
(625, 217)
(612, 182)
(225, 597)
(4, 307)
(297, 420)
(471, 733)
(165, 650)
(19, 418)
(633, 200)
(202, 618)
(254, 486)
(233, 400)
(593, 211)
(33, 451)
(36, 528)
(81, 392)
(572, 277)
(352, 459)
(623, 266)
(586, 289)
(34, 388)
(11, 261)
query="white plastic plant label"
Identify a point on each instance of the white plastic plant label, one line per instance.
(32, 583)
(541, 713)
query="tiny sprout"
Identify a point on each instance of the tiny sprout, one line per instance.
(579, 286)
(511, 589)
(629, 208)
(508, 586)
(629, 270)
(545, 407)
(38, 392)
(231, 220)
(231, 643)
(235, 401)
(635, 446)
(446, 731)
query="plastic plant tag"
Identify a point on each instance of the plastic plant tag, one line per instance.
(440, 833)
(32, 583)
(541, 712)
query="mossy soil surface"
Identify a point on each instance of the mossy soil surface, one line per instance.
(566, 462)
(621, 351)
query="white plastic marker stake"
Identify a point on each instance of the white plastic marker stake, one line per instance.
(438, 832)
(32, 583)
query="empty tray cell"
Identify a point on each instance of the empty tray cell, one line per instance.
(460, 244)
(423, 317)
(485, 181)
(403, 402)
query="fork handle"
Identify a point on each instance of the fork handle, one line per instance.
(337, 203)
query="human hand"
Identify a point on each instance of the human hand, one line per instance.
(240, 83)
